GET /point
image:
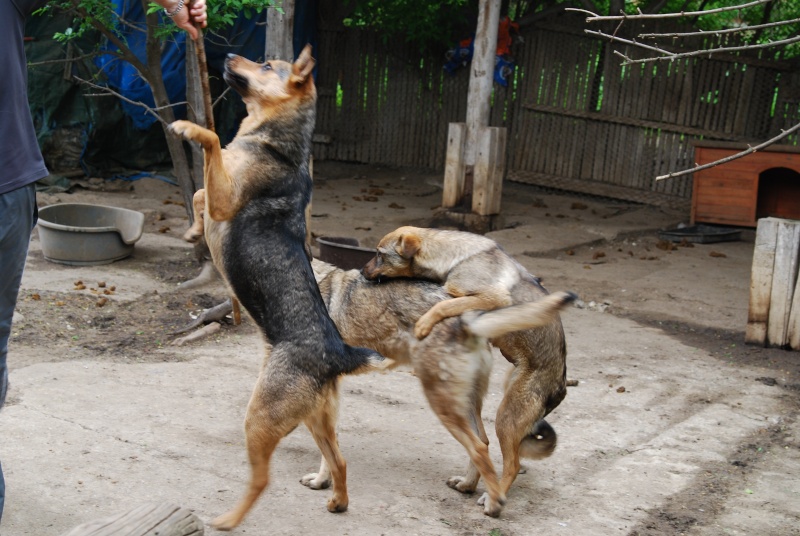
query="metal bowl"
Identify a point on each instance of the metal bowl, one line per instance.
(83, 234)
(344, 253)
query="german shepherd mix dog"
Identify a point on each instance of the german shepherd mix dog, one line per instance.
(479, 275)
(453, 362)
(257, 190)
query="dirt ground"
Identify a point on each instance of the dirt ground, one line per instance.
(675, 426)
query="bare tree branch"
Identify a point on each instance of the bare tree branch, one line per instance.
(783, 134)
(720, 32)
(595, 17)
(704, 52)
(221, 96)
(71, 60)
(152, 111)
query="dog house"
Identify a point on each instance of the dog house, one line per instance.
(762, 184)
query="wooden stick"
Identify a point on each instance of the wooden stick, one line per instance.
(200, 48)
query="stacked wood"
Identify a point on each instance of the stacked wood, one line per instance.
(151, 519)
(773, 317)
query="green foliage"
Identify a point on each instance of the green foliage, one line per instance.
(425, 23)
(87, 14)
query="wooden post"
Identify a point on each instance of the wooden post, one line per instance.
(454, 165)
(152, 519)
(761, 281)
(481, 74)
(489, 170)
(784, 278)
(280, 33)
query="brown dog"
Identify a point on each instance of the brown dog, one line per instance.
(453, 362)
(256, 194)
(481, 276)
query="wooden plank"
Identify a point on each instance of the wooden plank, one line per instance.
(454, 165)
(761, 281)
(151, 519)
(489, 169)
(794, 319)
(784, 279)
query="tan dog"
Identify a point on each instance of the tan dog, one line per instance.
(481, 276)
(257, 191)
(453, 362)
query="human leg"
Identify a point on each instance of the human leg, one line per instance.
(17, 217)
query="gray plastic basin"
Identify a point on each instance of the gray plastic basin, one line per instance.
(83, 234)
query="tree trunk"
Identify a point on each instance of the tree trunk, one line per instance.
(481, 74)
(280, 33)
(155, 78)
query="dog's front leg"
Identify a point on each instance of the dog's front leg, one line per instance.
(220, 202)
(453, 307)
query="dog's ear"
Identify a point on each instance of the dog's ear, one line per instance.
(407, 245)
(302, 67)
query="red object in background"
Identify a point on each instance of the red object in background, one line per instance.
(504, 39)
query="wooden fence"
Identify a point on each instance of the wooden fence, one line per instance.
(576, 118)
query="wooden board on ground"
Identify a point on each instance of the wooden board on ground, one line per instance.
(151, 519)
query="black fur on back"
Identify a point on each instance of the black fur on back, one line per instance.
(266, 264)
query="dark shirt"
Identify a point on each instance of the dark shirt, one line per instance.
(21, 161)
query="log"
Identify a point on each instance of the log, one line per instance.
(784, 279)
(151, 519)
(761, 281)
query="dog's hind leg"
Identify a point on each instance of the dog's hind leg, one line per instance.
(264, 429)
(195, 232)
(479, 454)
(452, 406)
(517, 414)
(322, 425)
(469, 482)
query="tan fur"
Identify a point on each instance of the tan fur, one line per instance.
(479, 275)
(453, 362)
(231, 174)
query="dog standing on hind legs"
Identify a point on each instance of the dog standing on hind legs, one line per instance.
(479, 275)
(256, 193)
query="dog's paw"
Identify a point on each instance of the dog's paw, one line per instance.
(491, 508)
(337, 505)
(184, 129)
(193, 234)
(460, 483)
(316, 481)
(423, 327)
(226, 522)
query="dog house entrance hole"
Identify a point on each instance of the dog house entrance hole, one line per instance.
(779, 194)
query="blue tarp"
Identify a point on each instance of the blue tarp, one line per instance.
(246, 38)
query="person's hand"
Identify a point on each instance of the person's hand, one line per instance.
(188, 17)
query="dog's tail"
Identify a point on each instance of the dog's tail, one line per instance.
(363, 360)
(540, 442)
(499, 322)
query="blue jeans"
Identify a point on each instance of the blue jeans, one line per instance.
(18, 215)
